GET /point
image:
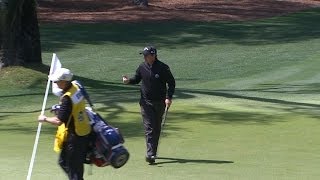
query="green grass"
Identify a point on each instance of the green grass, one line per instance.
(246, 105)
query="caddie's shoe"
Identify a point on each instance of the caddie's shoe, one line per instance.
(151, 160)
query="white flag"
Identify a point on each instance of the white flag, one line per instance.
(56, 65)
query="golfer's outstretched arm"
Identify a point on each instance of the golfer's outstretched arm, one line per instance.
(136, 78)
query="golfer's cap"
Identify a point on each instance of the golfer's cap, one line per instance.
(61, 74)
(149, 50)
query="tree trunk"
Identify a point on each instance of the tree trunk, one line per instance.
(3, 15)
(141, 2)
(21, 37)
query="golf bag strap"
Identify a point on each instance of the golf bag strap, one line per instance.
(84, 93)
(68, 122)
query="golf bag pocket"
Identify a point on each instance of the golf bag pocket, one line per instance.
(108, 146)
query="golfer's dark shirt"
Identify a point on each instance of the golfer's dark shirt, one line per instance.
(154, 81)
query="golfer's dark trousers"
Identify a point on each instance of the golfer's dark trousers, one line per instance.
(73, 155)
(152, 113)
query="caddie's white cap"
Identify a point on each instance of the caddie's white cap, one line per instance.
(61, 74)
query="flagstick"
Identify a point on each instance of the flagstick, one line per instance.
(35, 146)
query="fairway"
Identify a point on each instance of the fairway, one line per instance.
(246, 105)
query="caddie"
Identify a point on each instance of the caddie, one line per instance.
(70, 117)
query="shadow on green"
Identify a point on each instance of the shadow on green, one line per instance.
(170, 160)
(177, 34)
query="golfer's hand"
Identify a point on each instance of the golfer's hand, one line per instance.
(168, 102)
(125, 80)
(42, 118)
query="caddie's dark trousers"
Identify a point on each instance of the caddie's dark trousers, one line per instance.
(152, 113)
(73, 155)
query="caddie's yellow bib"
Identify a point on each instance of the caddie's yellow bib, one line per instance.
(81, 119)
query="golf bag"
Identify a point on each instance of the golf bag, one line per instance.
(107, 148)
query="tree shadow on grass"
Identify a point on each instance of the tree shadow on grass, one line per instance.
(221, 116)
(22, 129)
(24, 112)
(233, 94)
(19, 95)
(300, 89)
(110, 96)
(180, 34)
(169, 160)
(309, 109)
(4, 117)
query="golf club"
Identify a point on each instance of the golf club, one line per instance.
(164, 117)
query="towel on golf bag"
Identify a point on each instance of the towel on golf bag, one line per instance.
(61, 136)
(107, 146)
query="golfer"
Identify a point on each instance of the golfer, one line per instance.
(72, 114)
(155, 96)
